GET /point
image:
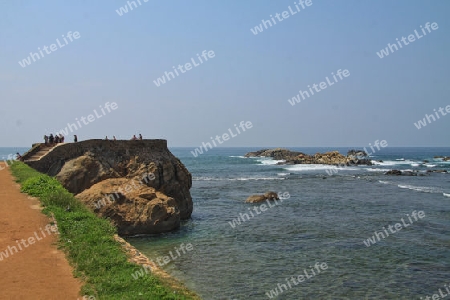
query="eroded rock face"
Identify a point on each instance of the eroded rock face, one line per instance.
(132, 206)
(139, 185)
(82, 172)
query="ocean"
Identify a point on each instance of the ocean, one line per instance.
(325, 220)
(379, 236)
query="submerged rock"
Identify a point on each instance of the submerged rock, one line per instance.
(393, 172)
(259, 198)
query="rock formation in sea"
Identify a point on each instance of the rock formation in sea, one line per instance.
(139, 185)
(259, 198)
(354, 157)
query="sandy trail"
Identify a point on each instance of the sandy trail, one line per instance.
(34, 269)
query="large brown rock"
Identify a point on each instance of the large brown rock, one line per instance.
(82, 172)
(132, 206)
(139, 185)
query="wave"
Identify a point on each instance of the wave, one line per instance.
(384, 182)
(400, 159)
(393, 162)
(234, 179)
(425, 189)
(270, 161)
(376, 170)
(317, 167)
(254, 178)
(239, 156)
(430, 166)
(446, 195)
(283, 174)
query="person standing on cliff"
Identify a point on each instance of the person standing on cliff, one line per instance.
(140, 136)
(46, 140)
(75, 138)
(134, 138)
(51, 139)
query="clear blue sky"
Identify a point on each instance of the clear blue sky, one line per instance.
(251, 77)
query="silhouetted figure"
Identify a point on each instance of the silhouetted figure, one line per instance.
(134, 138)
(56, 139)
(106, 138)
(46, 140)
(114, 138)
(75, 138)
(19, 157)
(61, 138)
(51, 139)
(140, 136)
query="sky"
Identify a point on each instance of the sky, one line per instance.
(249, 77)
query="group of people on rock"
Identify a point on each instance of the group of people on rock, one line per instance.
(53, 139)
(56, 139)
(134, 138)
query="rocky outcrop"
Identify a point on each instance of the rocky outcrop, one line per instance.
(259, 198)
(402, 173)
(444, 158)
(437, 171)
(356, 153)
(277, 154)
(393, 172)
(354, 157)
(139, 185)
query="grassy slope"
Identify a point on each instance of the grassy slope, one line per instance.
(89, 244)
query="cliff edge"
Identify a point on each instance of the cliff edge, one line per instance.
(139, 185)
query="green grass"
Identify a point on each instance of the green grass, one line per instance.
(89, 244)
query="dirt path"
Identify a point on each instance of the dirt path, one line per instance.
(33, 268)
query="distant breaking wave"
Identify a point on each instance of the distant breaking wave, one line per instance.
(235, 179)
(423, 189)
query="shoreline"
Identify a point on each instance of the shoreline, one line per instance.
(92, 246)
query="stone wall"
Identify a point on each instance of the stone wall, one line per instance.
(115, 151)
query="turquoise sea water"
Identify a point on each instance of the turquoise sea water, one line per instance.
(325, 220)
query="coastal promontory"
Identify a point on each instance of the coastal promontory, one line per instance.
(139, 185)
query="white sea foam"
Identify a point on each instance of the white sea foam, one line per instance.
(284, 174)
(269, 161)
(415, 165)
(430, 166)
(425, 189)
(254, 178)
(446, 195)
(376, 170)
(240, 156)
(393, 162)
(235, 179)
(317, 167)
(384, 182)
